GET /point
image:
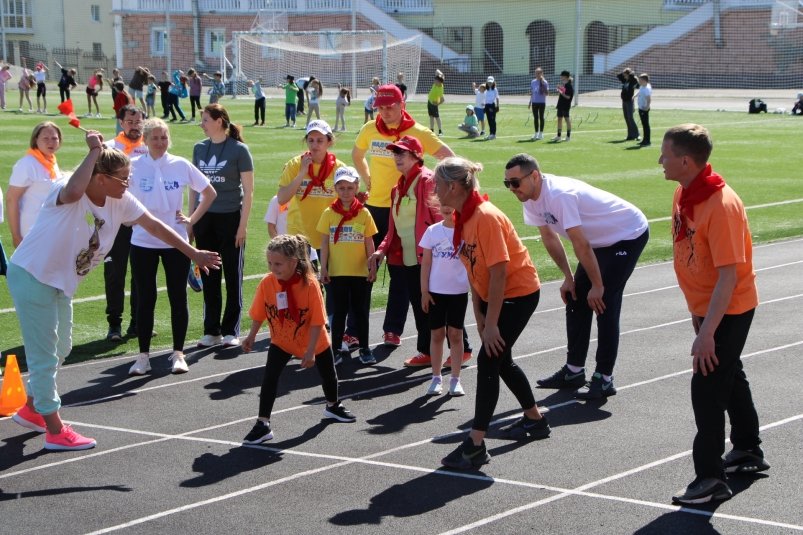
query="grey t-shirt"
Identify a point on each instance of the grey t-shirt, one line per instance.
(222, 163)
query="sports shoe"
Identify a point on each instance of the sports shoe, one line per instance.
(540, 135)
(98, 116)
(391, 339)
(115, 334)
(68, 440)
(492, 136)
(30, 419)
(481, 133)
(419, 361)
(703, 491)
(563, 378)
(524, 427)
(230, 341)
(597, 388)
(535, 137)
(556, 139)
(367, 357)
(141, 366)
(466, 358)
(261, 432)
(132, 331)
(339, 412)
(209, 340)
(179, 364)
(340, 356)
(467, 456)
(567, 139)
(435, 387)
(745, 461)
(350, 343)
(456, 388)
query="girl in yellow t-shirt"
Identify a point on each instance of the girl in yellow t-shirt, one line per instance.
(290, 300)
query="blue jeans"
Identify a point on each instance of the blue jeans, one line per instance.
(290, 113)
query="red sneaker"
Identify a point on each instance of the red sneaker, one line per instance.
(350, 343)
(68, 440)
(391, 339)
(30, 419)
(466, 358)
(419, 361)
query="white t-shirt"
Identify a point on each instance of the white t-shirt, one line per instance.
(491, 95)
(51, 249)
(643, 93)
(40, 76)
(29, 173)
(159, 185)
(566, 203)
(479, 98)
(276, 216)
(448, 275)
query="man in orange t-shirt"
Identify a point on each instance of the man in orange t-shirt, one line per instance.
(714, 267)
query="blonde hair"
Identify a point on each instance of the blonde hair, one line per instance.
(293, 246)
(153, 124)
(460, 171)
(110, 161)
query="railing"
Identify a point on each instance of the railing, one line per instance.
(405, 6)
(253, 6)
(724, 4)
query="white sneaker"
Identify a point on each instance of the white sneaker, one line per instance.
(98, 116)
(492, 136)
(556, 139)
(141, 366)
(44, 111)
(567, 139)
(540, 135)
(231, 341)
(179, 364)
(535, 137)
(209, 340)
(435, 387)
(456, 388)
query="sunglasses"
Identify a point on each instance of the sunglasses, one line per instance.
(123, 181)
(514, 182)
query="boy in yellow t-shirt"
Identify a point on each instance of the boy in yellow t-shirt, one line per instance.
(347, 228)
(435, 99)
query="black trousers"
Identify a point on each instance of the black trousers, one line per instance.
(396, 310)
(645, 125)
(627, 111)
(217, 232)
(115, 269)
(195, 103)
(513, 319)
(64, 93)
(724, 390)
(176, 106)
(538, 115)
(277, 360)
(616, 264)
(167, 109)
(350, 296)
(259, 110)
(490, 116)
(144, 264)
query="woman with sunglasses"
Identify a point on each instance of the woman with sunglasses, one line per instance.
(74, 231)
(504, 292)
(159, 181)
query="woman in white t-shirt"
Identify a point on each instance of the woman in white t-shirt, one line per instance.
(159, 181)
(74, 231)
(32, 179)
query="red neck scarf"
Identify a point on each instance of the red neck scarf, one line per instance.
(127, 144)
(705, 184)
(292, 309)
(406, 123)
(465, 213)
(348, 215)
(327, 166)
(404, 183)
(48, 162)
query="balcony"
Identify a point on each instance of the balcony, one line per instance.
(235, 7)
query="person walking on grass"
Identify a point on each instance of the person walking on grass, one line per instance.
(74, 231)
(713, 255)
(289, 299)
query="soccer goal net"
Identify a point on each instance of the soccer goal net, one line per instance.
(349, 58)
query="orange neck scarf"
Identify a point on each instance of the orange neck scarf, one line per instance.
(48, 162)
(128, 145)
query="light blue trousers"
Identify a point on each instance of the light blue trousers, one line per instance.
(45, 316)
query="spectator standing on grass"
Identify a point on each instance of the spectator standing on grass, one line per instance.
(72, 234)
(158, 181)
(26, 82)
(607, 235)
(150, 96)
(5, 76)
(479, 104)
(195, 87)
(629, 84)
(491, 105)
(343, 100)
(314, 91)
(644, 103)
(226, 160)
(504, 291)
(564, 105)
(164, 91)
(40, 76)
(539, 89)
(137, 84)
(290, 99)
(289, 299)
(369, 105)
(259, 101)
(713, 254)
(381, 175)
(66, 82)
(401, 85)
(434, 100)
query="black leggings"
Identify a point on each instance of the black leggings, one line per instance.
(538, 115)
(195, 103)
(64, 93)
(490, 116)
(515, 314)
(277, 360)
(144, 264)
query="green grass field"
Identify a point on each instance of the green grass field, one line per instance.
(755, 154)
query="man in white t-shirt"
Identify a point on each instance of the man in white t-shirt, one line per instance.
(608, 235)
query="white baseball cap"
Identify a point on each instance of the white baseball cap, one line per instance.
(490, 80)
(470, 107)
(349, 174)
(319, 126)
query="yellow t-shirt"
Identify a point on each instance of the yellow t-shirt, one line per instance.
(347, 257)
(381, 166)
(302, 217)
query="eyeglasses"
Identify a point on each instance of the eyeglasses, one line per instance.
(132, 122)
(123, 181)
(83, 262)
(514, 182)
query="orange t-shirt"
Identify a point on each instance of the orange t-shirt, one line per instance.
(718, 236)
(489, 238)
(288, 335)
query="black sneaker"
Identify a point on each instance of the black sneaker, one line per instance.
(563, 378)
(339, 412)
(114, 335)
(745, 461)
(340, 356)
(259, 434)
(524, 427)
(467, 456)
(367, 357)
(703, 491)
(597, 388)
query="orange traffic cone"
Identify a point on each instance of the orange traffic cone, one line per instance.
(13, 396)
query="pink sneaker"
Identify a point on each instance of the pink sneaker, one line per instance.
(68, 440)
(30, 419)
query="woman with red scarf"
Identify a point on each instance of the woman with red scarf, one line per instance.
(32, 179)
(504, 291)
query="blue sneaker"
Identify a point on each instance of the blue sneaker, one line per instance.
(467, 456)
(367, 357)
(524, 427)
(563, 378)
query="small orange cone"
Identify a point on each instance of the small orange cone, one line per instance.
(13, 395)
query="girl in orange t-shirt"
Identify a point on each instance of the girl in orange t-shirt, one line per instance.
(290, 300)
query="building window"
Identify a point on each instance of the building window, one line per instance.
(94, 11)
(97, 51)
(159, 41)
(215, 42)
(17, 15)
